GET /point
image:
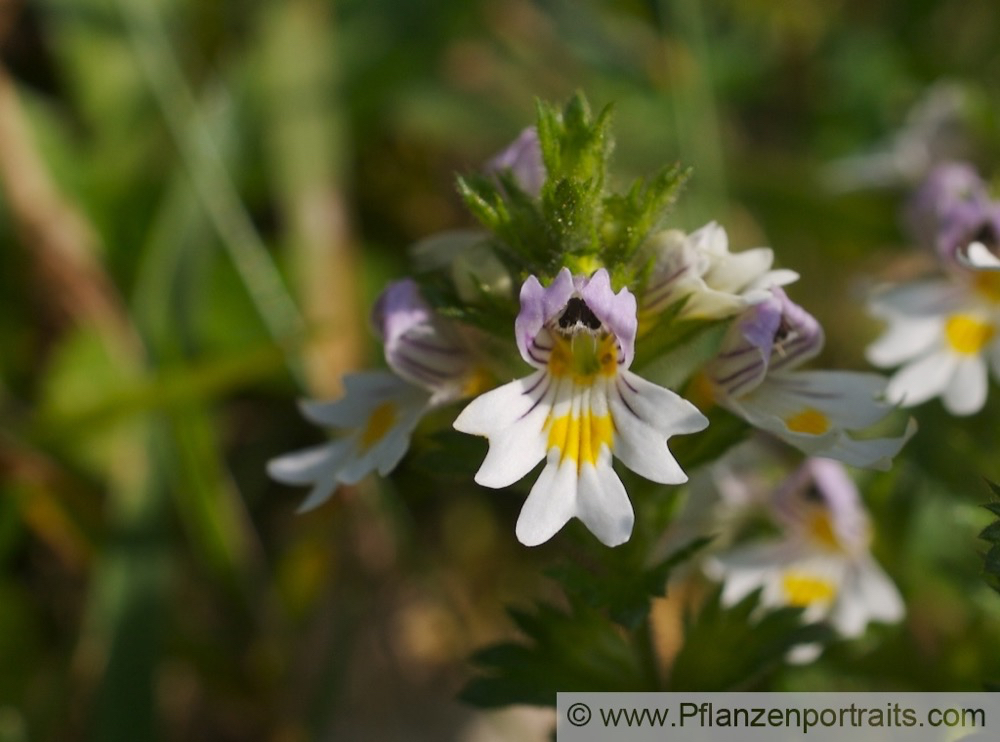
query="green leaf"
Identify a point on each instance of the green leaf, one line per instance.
(620, 589)
(734, 648)
(575, 650)
(991, 559)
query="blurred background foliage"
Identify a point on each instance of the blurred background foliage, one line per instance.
(200, 200)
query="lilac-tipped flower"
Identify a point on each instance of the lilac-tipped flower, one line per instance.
(820, 501)
(523, 160)
(420, 346)
(969, 236)
(772, 335)
(755, 375)
(822, 563)
(579, 408)
(952, 212)
(380, 410)
(569, 303)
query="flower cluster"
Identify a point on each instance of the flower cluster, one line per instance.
(943, 330)
(596, 277)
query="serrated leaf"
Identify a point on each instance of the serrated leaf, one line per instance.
(619, 588)
(991, 532)
(732, 648)
(576, 650)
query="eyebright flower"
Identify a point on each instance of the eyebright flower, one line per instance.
(523, 160)
(431, 366)
(700, 268)
(755, 375)
(944, 333)
(822, 563)
(579, 408)
(953, 212)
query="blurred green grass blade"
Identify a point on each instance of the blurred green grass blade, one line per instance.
(306, 148)
(121, 637)
(696, 117)
(166, 300)
(209, 505)
(211, 180)
(68, 417)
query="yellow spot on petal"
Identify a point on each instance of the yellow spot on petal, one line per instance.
(476, 382)
(967, 334)
(821, 530)
(803, 589)
(380, 421)
(701, 392)
(579, 438)
(987, 284)
(810, 421)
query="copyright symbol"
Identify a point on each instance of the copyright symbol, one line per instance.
(578, 714)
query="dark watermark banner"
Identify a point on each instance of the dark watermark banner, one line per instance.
(778, 717)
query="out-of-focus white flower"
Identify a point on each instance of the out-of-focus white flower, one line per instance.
(377, 416)
(953, 213)
(821, 563)
(944, 334)
(698, 267)
(379, 410)
(755, 375)
(935, 131)
(580, 407)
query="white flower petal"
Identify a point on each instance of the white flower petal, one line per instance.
(310, 464)
(919, 299)
(645, 416)
(736, 270)
(905, 338)
(869, 453)
(602, 503)
(362, 392)
(551, 502)
(845, 399)
(777, 277)
(662, 409)
(744, 569)
(381, 412)
(966, 392)
(868, 595)
(884, 602)
(512, 417)
(708, 303)
(921, 380)
(803, 654)
(977, 255)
